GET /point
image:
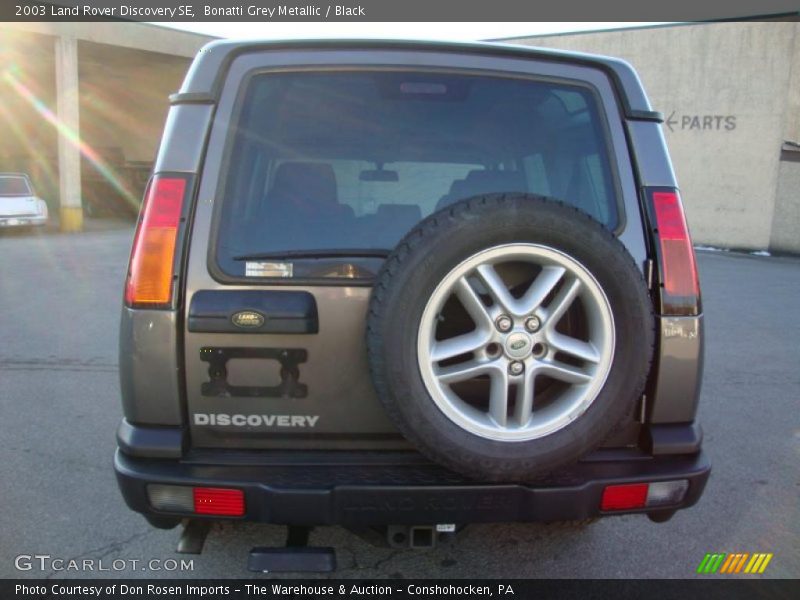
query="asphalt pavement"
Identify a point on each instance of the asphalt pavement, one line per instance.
(59, 408)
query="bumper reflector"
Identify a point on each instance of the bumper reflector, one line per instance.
(218, 501)
(643, 495)
(198, 500)
(621, 497)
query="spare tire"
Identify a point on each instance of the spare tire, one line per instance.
(509, 335)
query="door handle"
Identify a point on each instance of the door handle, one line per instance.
(253, 311)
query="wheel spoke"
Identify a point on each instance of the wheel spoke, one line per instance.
(462, 344)
(585, 351)
(463, 371)
(496, 287)
(524, 405)
(472, 303)
(498, 397)
(563, 300)
(564, 372)
(470, 374)
(541, 287)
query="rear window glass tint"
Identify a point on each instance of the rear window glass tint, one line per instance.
(14, 186)
(328, 170)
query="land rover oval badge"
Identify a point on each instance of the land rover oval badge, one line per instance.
(247, 319)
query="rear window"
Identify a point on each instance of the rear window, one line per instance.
(327, 171)
(14, 186)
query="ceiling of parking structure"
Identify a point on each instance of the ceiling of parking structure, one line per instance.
(123, 101)
(136, 36)
(116, 57)
(125, 97)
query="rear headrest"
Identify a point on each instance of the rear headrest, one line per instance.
(486, 182)
(314, 182)
(459, 189)
(404, 213)
(481, 181)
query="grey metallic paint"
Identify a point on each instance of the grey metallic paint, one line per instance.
(679, 370)
(149, 371)
(183, 142)
(649, 151)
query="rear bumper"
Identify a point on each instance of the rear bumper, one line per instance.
(22, 221)
(381, 491)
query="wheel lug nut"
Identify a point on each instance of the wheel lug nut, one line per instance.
(515, 367)
(504, 323)
(532, 324)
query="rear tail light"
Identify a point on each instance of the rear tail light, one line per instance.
(152, 261)
(223, 502)
(680, 286)
(629, 496)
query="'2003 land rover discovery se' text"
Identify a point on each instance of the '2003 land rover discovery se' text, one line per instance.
(403, 287)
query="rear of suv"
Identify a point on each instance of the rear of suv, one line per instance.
(409, 286)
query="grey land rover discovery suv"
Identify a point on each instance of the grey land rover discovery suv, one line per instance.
(408, 286)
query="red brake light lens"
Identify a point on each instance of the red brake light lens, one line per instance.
(630, 496)
(218, 501)
(624, 497)
(151, 266)
(681, 287)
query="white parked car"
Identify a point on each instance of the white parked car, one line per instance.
(19, 205)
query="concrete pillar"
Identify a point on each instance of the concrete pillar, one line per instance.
(69, 156)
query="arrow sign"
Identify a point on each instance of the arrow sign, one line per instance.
(671, 121)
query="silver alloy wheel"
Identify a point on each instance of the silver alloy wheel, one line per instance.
(486, 351)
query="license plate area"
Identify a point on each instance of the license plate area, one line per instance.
(218, 384)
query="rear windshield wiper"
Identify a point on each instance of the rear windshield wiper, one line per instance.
(334, 253)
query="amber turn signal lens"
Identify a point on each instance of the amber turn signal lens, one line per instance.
(153, 254)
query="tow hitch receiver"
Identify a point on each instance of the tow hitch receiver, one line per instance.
(296, 556)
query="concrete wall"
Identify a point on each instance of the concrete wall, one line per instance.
(730, 92)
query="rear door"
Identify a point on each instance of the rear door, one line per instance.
(317, 164)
